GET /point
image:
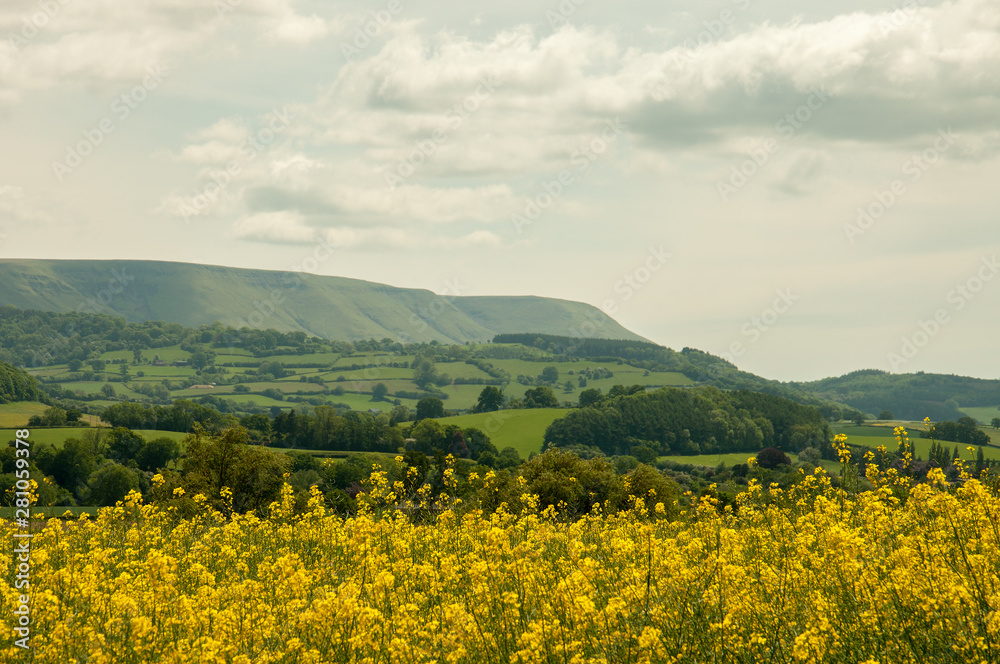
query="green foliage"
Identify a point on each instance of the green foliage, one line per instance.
(429, 436)
(908, 396)
(110, 483)
(647, 484)
(17, 385)
(124, 444)
(254, 474)
(72, 465)
(771, 457)
(692, 421)
(590, 397)
(810, 455)
(965, 431)
(157, 453)
(540, 397)
(549, 375)
(572, 484)
(430, 407)
(52, 417)
(181, 416)
(490, 399)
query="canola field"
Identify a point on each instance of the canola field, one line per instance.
(814, 573)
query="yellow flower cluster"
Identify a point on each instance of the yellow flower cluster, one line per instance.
(808, 573)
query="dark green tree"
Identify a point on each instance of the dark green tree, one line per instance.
(430, 407)
(124, 444)
(590, 397)
(157, 453)
(254, 474)
(490, 399)
(540, 397)
(110, 483)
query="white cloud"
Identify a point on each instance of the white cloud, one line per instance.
(299, 30)
(19, 207)
(283, 227)
(114, 41)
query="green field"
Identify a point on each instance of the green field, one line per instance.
(57, 436)
(334, 372)
(524, 430)
(17, 414)
(713, 460)
(984, 414)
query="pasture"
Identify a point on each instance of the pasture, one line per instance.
(524, 430)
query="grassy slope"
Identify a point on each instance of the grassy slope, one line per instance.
(524, 430)
(16, 414)
(984, 414)
(58, 435)
(331, 307)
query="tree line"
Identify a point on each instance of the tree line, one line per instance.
(701, 420)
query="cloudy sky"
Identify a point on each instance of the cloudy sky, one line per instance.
(809, 187)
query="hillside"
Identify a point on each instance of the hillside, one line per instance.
(328, 307)
(910, 396)
(17, 385)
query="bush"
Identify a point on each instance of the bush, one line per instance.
(810, 455)
(771, 457)
(570, 483)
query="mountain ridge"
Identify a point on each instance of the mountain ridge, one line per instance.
(325, 306)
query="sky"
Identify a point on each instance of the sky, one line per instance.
(804, 188)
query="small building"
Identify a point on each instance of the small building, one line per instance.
(375, 411)
(203, 387)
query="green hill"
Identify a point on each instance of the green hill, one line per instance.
(910, 396)
(329, 307)
(17, 385)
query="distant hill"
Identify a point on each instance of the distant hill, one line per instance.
(907, 396)
(329, 307)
